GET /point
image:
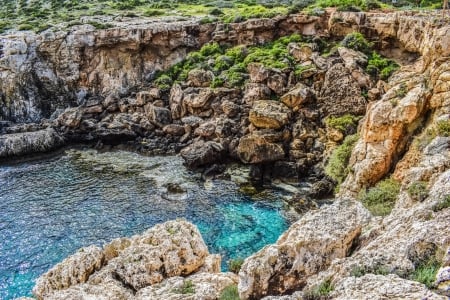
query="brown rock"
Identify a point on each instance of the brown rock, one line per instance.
(299, 95)
(174, 129)
(205, 130)
(255, 148)
(258, 73)
(200, 78)
(269, 114)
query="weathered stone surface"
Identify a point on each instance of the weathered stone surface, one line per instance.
(372, 286)
(269, 114)
(90, 291)
(200, 78)
(258, 73)
(205, 286)
(308, 246)
(297, 96)
(256, 91)
(17, 144)
(174, 129)
(206, 129)
(143, 98)
(71, 271)
(202, 153)
(301, 52)
(258, 148)
(340, 93)
(160, 116)
(176, 104)
(230, 109)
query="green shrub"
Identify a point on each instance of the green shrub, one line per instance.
(164, 82)
(216, 12)
(230, 293)
(356, 41)
(319, 292)
(25, 27)
(153, 12)
(379, 66)
(380, 199)
(98, 25)
(444, 203)
(344, 123)
(211, 49)
(336, 167)
(426, 271)
(217, 82)
(418, 191)
(186, 288)
(443, 128)
(234, 265)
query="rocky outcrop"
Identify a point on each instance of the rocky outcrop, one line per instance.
(128, 265)
(269, 114)
(17, 144)
(372, 286)
(308, 246)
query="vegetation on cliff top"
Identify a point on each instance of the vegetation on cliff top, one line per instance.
(38, 15)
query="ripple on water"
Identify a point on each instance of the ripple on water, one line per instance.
(49, 209)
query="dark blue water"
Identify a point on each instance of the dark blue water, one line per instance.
(49, 209)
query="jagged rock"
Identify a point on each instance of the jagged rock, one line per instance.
(372, 286)
(17, 144)
(205, 286)
(160, 116)
(212, 264)
(352, 59)
(258, 148)
(206, 129)
(73, 270)
(176, 104)
(202, 153)
(230, 109)
(200, 78)
(307, 247)
(197, 102)
(340, 93)
(258, 73)
(174, 129)
(71, 118)
(269, 114)
(297, 96)
(256, 91)
(90, 291)
(277, 83)
(143, 98)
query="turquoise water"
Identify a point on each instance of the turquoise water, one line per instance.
(49, 209)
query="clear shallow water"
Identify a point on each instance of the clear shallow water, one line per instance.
(49, 209)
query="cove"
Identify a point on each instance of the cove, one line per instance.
(50, 208)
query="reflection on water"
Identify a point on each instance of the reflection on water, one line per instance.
(49, 209)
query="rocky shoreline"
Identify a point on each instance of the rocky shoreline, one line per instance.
(341, 248)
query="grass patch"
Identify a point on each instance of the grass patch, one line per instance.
(187, 288)
(234, 265)
(443, 128)
(444, 203)
(337, 166)
(345, 123)
(230, 293)
(380, 199)
(319, 292)
(426, 272)
(418, 191)
(380, 67)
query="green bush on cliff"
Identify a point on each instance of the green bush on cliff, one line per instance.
(380, 199)
(426, 271)
(418, 190)
(336, 167)
(234, 265)
(358, 42)
(444, 203)
(230, 293)
(320, 291)
(379, 66)
(345, 123)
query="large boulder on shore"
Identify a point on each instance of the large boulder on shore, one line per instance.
(260, 147)
(269, 114)
(201, 153)
(307, 247)
(17, 144)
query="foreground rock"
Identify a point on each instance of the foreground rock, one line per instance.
(128, 265)
(308, 246)
(23, 143)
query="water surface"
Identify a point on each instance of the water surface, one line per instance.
(51, 208)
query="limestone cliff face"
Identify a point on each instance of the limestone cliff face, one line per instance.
(56, 69)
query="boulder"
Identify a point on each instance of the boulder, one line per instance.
(176, 104)
(256, 91)
(198, 102)
(277, 83)
(297, 96)
(73, 270)
(352, 59)
(206, 129)
(105, 291)
(258, 73)
(174, 129)
(16, 144)
(340, 93)
(307, 247)
(143, 98)
(201, 153)
(269, 114)
(200, 78)
(160, 116)
(258, 148)
(302, 52)
(71, 117)
(230, 109)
